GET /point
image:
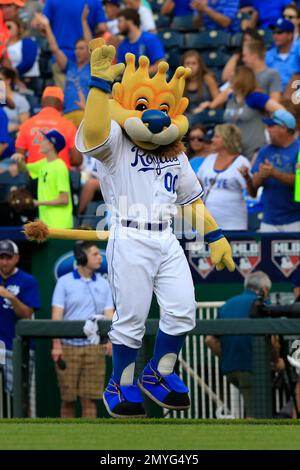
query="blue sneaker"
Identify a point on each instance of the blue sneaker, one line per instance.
(167, 391)
(123, 401)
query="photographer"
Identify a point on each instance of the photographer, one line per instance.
(80, 365)
(235, 352)
(296, 284)
(261, 309)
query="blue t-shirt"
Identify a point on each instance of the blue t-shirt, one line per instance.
(76, 79)
(237, 350)
(148, 44)
(5, 138)
(227, 8)
(196, 163)
(269, 11)
(65, 20)
(182, 8)
(278, 198)
(285, 66)
(25, 288)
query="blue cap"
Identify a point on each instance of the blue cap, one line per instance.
(57, 139)
(283, 25)
(281, 118)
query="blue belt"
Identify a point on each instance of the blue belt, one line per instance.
(155, 226)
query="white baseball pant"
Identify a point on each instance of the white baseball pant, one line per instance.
(140, 262)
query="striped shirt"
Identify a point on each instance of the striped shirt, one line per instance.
(227, 8)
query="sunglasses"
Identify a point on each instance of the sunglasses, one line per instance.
(200, 139)
(279, 31)
(290, 17)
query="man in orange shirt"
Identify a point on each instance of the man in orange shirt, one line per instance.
(30, 133)
(3, 35)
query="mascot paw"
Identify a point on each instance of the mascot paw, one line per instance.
(221, 255)
(102, 57)
(36, 231)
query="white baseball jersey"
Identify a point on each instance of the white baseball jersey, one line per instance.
(224, 190)
(137, 185)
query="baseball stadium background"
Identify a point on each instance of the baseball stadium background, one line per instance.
(215, 419)
(214, 402)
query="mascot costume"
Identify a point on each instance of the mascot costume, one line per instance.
(135, 136)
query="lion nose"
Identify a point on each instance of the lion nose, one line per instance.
(156, 120)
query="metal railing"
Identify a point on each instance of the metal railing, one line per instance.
(209, 391)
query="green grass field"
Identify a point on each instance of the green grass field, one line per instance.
(106, 434)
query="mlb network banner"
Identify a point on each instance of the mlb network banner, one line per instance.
(278, 255)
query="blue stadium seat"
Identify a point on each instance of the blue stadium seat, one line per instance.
(236, 40)
(172, 39)
(217, 74)
(207, 117)
(156, 5)
(207, 40)
(7, 181)
(267, 35)
(174, 58)
(162, 22)
(183, 23)
(215, 59)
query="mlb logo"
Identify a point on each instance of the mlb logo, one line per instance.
(199, 258)
(286, 255)
(246, 255)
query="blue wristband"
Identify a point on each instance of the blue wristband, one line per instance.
(213, 236)
(104, 85)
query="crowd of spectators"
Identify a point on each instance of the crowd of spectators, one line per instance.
(243, 141)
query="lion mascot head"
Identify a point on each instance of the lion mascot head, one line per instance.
(150, 110)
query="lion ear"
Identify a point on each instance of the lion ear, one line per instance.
(183, 104)
(118, 92)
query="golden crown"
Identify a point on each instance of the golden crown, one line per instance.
(134, 77)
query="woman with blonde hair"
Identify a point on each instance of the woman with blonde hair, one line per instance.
(246, 106)
(201, 85)
(222, 180)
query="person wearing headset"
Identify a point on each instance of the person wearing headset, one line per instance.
(80, 365)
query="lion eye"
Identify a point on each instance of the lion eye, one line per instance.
(141, 107)
(164, 108)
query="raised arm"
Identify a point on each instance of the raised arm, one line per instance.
(45, 26)
(271, 106)
(87, 33)
(103, 73)
(202, 7)
(168, 7)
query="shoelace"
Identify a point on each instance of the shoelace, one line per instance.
(116, 390)
(158, 377)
